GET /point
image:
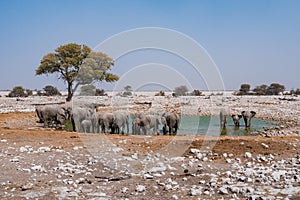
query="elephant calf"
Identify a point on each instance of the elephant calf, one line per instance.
(86, 125)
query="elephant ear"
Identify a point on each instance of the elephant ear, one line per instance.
(148, 118)
(243, 113)
(253, 113)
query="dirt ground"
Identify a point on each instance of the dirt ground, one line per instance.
(27, 174)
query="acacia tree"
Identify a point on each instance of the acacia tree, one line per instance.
(245, 88)
(77, 65)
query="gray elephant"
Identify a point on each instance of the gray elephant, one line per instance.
(86, 125)
(120, 121)
(247, 116)
(136, 126)
(52, 114)
(145, 123)
(171, 121)
(97, 122)
(236, 119)
(106, 122)
(39, 113)
(78, 115)
(223, 118)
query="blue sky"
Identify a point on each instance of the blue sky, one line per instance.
(255, 42)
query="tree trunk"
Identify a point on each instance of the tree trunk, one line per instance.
(70, 92)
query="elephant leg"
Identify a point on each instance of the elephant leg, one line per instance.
(164, 130)
(170, 130)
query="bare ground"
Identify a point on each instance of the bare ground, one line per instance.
(48, 164)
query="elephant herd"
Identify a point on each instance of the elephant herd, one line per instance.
(87, 119)
(246, 115)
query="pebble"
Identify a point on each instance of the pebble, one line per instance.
(195, 192)
(140, 188)
(223, 190)
(248, 155)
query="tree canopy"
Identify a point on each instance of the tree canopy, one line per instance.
(77, 65)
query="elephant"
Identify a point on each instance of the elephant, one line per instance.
(146, 122)
(170, 120)
(52, 114)
(120, 120)
(247, 116)
(97, 122)
(86, 125)
(136, 127)
(78, 115)
(106, 121)
(38, 111)
(236, 119)
(223, 118)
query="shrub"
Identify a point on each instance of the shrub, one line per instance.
(260, 90)
(51, 91)
(295, 92)
(275, 89)
(100, 92)
(88, 90)
(244, 90)
(196, 93)
(18, 91)
(180, 91)
(127, 92)
(160, 93)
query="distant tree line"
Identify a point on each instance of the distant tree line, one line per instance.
(48, 90)
(272, 89)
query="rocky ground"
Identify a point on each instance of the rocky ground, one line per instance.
(38, 163)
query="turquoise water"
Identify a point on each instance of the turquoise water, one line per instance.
(210, 126)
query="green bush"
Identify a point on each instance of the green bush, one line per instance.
(87, 90)
(160, 93)
(196, 93)
(181, 91)
(100, 92)
(50, 90)
(18, 91)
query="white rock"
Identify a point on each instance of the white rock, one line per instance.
(174, 196)
(177, 159)
(248, 155)
(206, 192)
(3, 141)
(223, 190)
(265, 145)
(168, 187)
(148, 176)
(194, 151)
(195, 191)
(44, 149)
(15, 159)
(23, 149)
(124, 189)
(27, 186)
(276, 175)
(205, 159)
(140, 188)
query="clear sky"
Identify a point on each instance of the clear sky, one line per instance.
(251, 41)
